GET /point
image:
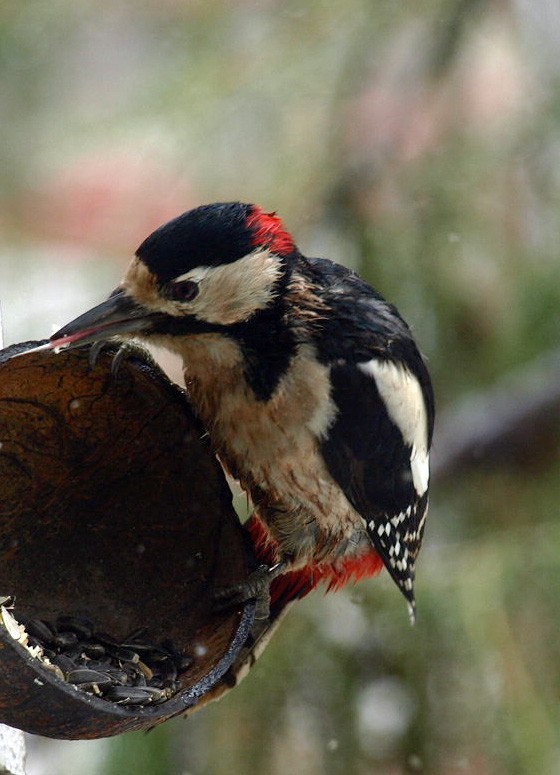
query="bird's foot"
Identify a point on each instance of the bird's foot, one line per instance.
(124, 350)
(255, 587)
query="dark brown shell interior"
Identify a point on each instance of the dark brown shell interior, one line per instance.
(113, 507)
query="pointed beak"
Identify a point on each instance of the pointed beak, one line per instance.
(120, 314)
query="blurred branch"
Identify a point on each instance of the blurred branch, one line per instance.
(447, 44)
(517, 422)
(401, 88)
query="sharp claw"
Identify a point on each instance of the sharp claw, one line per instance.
(118, 358)
(255, 587)
(94, 352)
(248, 589)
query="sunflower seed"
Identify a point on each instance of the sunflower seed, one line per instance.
(117, 675)
(93, 650)
(63, 662)
(127, 672)
(125, 655)
(133, 695)
(80, 625)
(65, 640)
(82, 675)
(40, 630)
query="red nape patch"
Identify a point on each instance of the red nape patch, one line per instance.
(268, 230)
(299, 583)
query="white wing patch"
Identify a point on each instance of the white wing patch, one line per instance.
(402, 395)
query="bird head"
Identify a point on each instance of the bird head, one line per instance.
(205, 271)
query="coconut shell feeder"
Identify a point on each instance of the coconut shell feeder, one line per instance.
(116, 530)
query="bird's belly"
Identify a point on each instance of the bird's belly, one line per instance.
(273, 448)
(308, 515)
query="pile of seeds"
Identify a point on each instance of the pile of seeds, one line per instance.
(130, 672)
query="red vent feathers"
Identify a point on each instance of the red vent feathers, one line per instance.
(268, 230)
(298, 583)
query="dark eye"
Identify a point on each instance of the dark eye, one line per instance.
(184, 290)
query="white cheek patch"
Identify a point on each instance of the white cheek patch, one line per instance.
(197, 274)
(403, 398)
(231, 293)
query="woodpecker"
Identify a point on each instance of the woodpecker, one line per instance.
(309, 383)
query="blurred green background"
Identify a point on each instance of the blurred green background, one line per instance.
(420, 143)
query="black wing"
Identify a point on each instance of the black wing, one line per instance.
(367, 455)
(376, 369)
